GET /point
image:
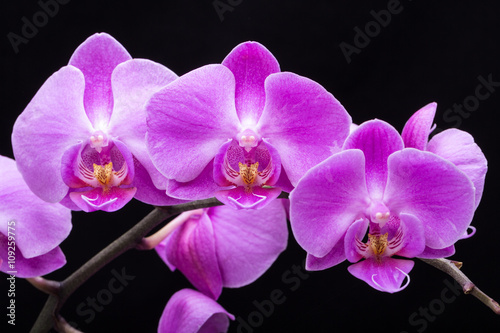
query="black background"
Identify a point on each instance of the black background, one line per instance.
(430, 51)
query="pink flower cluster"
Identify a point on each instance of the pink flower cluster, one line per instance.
(107, 128)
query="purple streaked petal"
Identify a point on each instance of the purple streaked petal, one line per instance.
(52, 122)
(251, 63)
(354, 247)
(437, 253)
(110, 200)
(327, 200)
(202, 187)
(126, 157)
(97, 57)
(161, 250)
(247, 242)
(386, 275)
(146, 190)
(192, 250)
(225, 162)
(31, 267)
(433, 190)
(334, 257)
(377, 139)
(69, 163)
(459, 148)
(40, 226)
(189, 311)
(303, 121)
(412, 242)
(416, 131)
(134, 82)
(189, 120)
(241, 198)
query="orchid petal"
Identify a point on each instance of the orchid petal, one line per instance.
(412, 242)
(459, 148)
(243, 198)
(386, 275)
(327, 200)
(146, 190)
(189, 311)
(192, 250)
(377, 139)
(30, 267)
(134, 82)
(354, 247)
(433, 190)
(97, 57)
(416, 131)
(40, 226)
(189, 120)
(334, 257)
(429, 253)
(303, 121)
(202, 187)
(251, 63)
(248, 241)
(53, 121)
(110, 200)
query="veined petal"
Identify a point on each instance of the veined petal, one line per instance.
(189, 311)
(53, 121)
(191, 249)
(109, 200)
(251, 63)
(303, 121)
(459, 148)
(189, 120)
(146, 190)
(429, 253)
(34, 266)
(354, 246)
(202, 187)
(334, 257)
(97, 57)
(134, 82)
(433, 190)
(242, 198)
(40, 226)
(247, 242)
(327, 200)
(410, 242)
(386, 275)
(377, 139)
(416, 131)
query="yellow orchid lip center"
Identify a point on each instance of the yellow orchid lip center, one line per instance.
(103, 174)
(378, 243)
(248, 172)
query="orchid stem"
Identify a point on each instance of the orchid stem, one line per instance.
(49, 316)
(149, 243)
(452, 269)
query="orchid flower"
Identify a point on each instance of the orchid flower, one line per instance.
(242, 131)
(80, 141)
(223, 247)
(453, 145)
(31, 227)
(407, 199)
(189, 311)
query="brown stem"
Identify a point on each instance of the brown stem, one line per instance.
(452, 269)
(49, 316)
